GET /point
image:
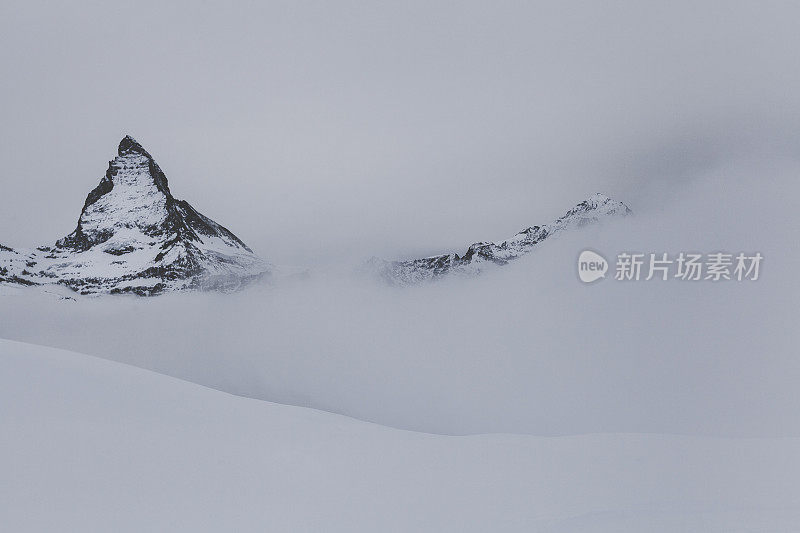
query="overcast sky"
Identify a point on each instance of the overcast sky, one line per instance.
(318, 131)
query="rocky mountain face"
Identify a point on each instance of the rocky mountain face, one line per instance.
(481, 255)
(133, 236)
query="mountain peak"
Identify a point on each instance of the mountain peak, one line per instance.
(129, 145)
(599, 198)
(134, 236)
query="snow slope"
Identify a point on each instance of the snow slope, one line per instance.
(93, 445)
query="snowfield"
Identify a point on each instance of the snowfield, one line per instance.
(93, 445)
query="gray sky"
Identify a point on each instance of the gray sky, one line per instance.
(318, 131)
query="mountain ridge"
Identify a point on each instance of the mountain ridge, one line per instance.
(481, 254)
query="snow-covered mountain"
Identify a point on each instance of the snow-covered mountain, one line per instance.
(133, 236)
(482, 254)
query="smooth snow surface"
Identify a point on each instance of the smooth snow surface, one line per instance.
(92, 445)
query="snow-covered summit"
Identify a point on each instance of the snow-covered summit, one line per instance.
(134, 236)
(481, 254)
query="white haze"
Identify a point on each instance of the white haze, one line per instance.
(524, 349)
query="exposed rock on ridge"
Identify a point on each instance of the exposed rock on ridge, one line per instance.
(482, 254)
